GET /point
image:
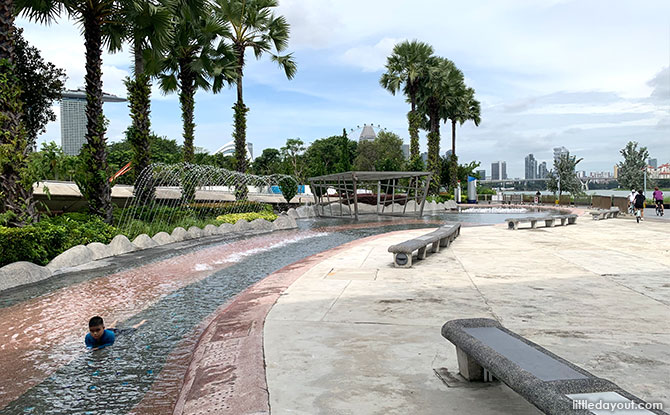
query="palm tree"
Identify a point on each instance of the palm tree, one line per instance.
(195, 62)
(101, 24)
(147, 31)
(17, 206)
(465, 108)
(406, 66)
(437, 90)
(252, 24)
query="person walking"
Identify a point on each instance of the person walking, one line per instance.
(639, 203)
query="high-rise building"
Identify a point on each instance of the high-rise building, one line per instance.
(499, 170)
(405, 151)
(531, 167)
(73, 119)
(448, 153)
(616, 171)
(559, 151)
(481, 174)
(542, 170)
(653, 163)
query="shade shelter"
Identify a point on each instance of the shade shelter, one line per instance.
(340, 194)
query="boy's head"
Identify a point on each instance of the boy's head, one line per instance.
(640, 191)
(656, 188)
(96, 326)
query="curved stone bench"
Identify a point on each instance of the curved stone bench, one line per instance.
(549, 221)
(487, 350)
(442, 237)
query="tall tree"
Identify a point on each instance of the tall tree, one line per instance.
(101, 25)
(461, 108)
(405, 67)
(253, 24)
(194, 61)
(147, 27)
(292, 153)
(437, 90)
(17, 206)
(41, 84)
(631, 168)
(563, 178)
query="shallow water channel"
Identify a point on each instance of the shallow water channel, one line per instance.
(48, 371)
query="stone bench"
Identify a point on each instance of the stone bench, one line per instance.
(569, 218)
(605, 213)
(513, 223)
(487, 351)
(442, 237)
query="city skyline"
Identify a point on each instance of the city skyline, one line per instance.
(574, 82)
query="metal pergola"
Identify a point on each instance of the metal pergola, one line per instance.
(395, 185)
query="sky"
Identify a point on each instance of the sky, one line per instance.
(589, 75)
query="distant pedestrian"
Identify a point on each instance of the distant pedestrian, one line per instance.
(639, 203)
(537, 197)
(631, 201)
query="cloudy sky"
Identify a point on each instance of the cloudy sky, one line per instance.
(589, 75)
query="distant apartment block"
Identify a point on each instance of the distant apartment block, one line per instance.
(228, 149)
(405, 151)
(559, 151)
(653, 163)
(660, 172)
(481, 174)
(73, 119)
(616, 171)
(531, 167)
(542, 171)
(499, 170)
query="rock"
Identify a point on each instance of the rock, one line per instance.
(284, 222)
(412, 205)
(163, 238)
(20, 273)
(194, 232)
(74, 256)
(120, 245)
(334, 209)
(144, 241)
(260, 225)
(241, 225)
(441, 206)
(179, 234)
(451, 204)
(305, 212)
(225, 228)
(365, 208)
(99, 250)
(292, 213)
(210, 230)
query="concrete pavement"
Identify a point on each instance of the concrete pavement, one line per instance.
(353, 335)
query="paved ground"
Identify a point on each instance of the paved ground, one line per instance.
(353, 335)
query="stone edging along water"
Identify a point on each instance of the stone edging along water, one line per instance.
(310, 211)
(22, 272)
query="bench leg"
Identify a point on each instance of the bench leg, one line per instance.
(512, 226)
(422, 253)
(571, 221)
(563, 221)
(444, 242)
(436, 247)
(532, 224)
(467, 367)
(401, 260)
(549, 223)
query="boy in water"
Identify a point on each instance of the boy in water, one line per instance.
(99, 337)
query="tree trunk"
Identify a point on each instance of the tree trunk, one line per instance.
(187, 101)
(413, 119)
(7, 30)
(240, 118)
(434, 164)
(93, 180)
(453, 137)
(139, 97)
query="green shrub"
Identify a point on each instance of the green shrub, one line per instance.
(44, 240)
(234, 217)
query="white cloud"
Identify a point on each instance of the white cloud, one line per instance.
(370, 58)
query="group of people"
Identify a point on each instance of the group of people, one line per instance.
(636, 201)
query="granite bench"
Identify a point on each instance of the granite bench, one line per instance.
(486, 351)
(442, 237)
(605, 213)
(569, 218)
(513, 223)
